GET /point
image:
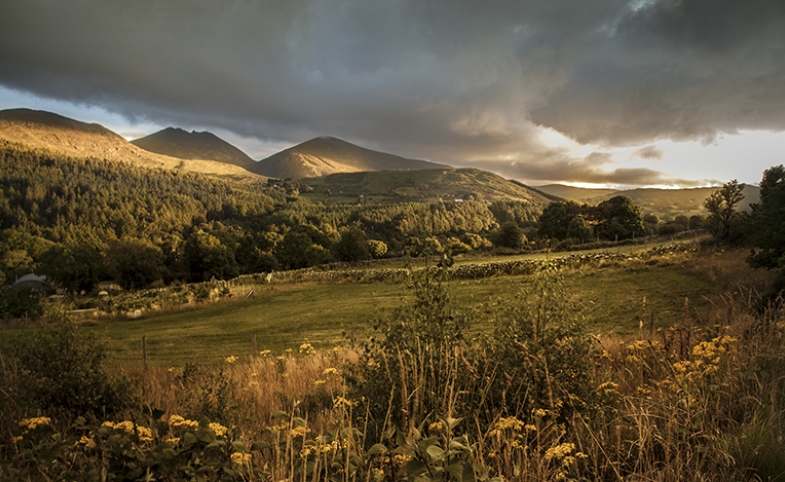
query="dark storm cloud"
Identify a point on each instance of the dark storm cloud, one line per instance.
(455, 81)
(677, 69)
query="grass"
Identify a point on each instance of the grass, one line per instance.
(284, 316)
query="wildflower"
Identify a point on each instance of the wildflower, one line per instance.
(318, 382)
(539, 413)
(173, 440)
(240, 458)
(330, 371)
(530, 428)
(32, 423)
(144, 433)
(306, 451)
(253, 383)
(377, 474)
(230, 359)
(280, 358)
(560, 451)
(178, 421)
(264, 352)
(219, 429)
(298, 432)
(607, 387)
(108, 424)
(307, 349)
(16, 439)
(126, 426)
(339, 402)
(88, 442)
(288, 351)
(436, 426)
(170, 369)
(337, 349)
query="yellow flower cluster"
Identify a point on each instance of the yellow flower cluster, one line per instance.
(240, 458)
(607, 387)
(511, 424)
(32, 423)
(436, 427)
(179, 422)
(219, 429)
(173, 440)
(127, 426)
(539, 413)
(230, 359)
(320, 449)
(307, 349)
(331, 371)
(88, 442)
(560, 451)
(264, 352)
(298, 432)
(341, 402)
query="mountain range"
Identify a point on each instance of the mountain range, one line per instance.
(323, 165)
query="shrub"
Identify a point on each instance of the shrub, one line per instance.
(63, 371)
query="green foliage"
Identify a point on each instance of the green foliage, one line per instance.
(64, 370)
(411, 353)
(207, 257)
(768, 221)
(377, 248)
(721, 205)
(75, 267)
(27, 303)
(135, 263)
(352, 246)
(618, 217)
(509, 236)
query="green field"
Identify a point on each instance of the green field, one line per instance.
(284, 316)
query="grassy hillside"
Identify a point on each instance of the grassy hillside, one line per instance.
(665, 203)
(69, 137)
(429, 185)
(194, 145)
(328, 155)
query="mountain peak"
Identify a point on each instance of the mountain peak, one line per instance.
(325, 155)
(179, 143)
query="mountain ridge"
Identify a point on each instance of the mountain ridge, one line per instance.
(179, 143)
(326, 155)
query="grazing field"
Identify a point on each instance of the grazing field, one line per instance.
(323, 314)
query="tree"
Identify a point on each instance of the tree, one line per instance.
(509, 235)
(618, 217)
(135, 263)
(206, 258)
(579, 228)
(554, 221)
(721, 205)
(75, 267)
(352, 246)
(377, 248)
(768, 223)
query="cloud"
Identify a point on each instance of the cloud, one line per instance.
(681, 70)
(648, 152)
(454, 81)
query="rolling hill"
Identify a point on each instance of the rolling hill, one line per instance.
(45, 130)
(327, 155)
(428, 185)
(665, 203)
(181, 144)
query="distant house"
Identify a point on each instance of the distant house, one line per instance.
(31, 280)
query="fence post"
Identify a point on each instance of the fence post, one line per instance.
(144, 352)
(255, 350)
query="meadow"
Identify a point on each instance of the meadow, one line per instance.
(324, 314)
(479, 373)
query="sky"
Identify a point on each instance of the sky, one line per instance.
(623, 93)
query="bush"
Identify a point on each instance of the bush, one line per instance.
(63, 371)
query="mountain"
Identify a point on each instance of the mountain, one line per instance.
(45, 130)
(428, 185)
(665, 203)
(328, 155)
(181, 144)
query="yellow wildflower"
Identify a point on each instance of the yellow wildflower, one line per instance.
(230, 359)
(173, 440)
(126, 426)
(32, 423)
(318, 382)
(298, 432)
(219, 429)
(560, 451)
(288, 351)
(264, 352)
(331, 371)
(16, 439)
(170, 369)
(88, 442)
(253, 383)
(307, 349)
(178, 421)
(540, 413)
(240, 458)
(339, 402)
(530, 428)
(436, 426)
